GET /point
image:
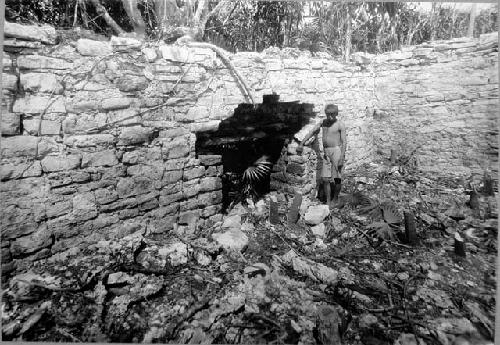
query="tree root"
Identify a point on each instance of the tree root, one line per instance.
(188, 41)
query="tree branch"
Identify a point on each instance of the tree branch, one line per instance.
(202, 5)
(100, 9)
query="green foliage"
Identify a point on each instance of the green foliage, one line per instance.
(339, 28)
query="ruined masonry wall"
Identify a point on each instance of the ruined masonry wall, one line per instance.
(445, 102)
(98, 137)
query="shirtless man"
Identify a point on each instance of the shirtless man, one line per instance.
(334, 145)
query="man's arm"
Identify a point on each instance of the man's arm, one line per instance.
(344, 143)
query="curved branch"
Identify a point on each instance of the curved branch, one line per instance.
(222, 55)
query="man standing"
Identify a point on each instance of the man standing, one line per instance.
(334, 145)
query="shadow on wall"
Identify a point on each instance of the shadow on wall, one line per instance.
(252, 137)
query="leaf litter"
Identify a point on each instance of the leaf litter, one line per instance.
(354, 282)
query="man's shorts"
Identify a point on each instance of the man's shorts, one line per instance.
(331, 168)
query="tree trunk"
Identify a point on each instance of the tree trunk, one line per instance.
(472, 20)
(380, 34)
(165, 13)
(433, 21)
(101, 10)
(135, 17)
(348, 38)
(453, 19)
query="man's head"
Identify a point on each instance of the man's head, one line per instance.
(331, 111)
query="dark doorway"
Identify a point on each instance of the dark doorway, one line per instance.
(250, 143)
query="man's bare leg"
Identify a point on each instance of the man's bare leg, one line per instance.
(337, 186)
(328, 192)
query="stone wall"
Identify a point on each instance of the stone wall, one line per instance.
(443, 97)
(98, 137)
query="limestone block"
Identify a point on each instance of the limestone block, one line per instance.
(208, 184)
(7, 61)
(334, 66)
(210, 126)
(84, 206)
(42, 62)
(294, 168)
(317, 64)
(129, 83)
(210, 210)
(150, 54)
(9, 82)
(18, 170)
(105, 196)
(194, 114)
(173, 132)
(171, 188)
(273, 64)
(210, 198)
(154, 172)
(81, 106)
(125, 43)
(134, 135)
(14, 44)
(171, 177)
(316, 214)
(468, 43)
(193, 173)
(88, 47)
(141, 199)
(208, 160)
(191, 189)
(409, 62)
(16, 225)
(19, 145)
(47, 127)
(422, 52)
(176, 148)
(162, 212)
(115, 103)
(175, 254)
(60, 163)
(174, 53)
(103, 158)
(214, 170)
(133, 186)
(90, 140)
(142, 156)
(189, 217)
(59, 209)
(319, 230)
(128, 213)
(104, 221)
(124, 117)
(41, 82)
(400, 55)
(39, 104)
(10, 123)
(32, 243)
(168, 199)
(233, 239)
(118, 205)
(45, 34)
